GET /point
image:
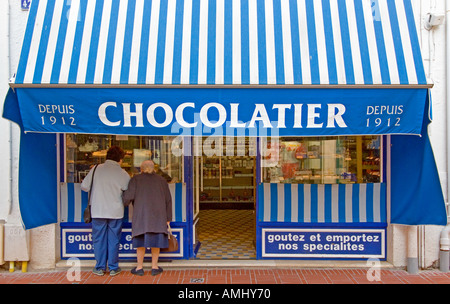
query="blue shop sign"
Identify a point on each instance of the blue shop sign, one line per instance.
(76, 242)
(233, 112)
(25, 4)
(323, 243)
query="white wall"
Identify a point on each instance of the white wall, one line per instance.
(44, 244)
(434, 49)
(437, 63)
(17, 23)
(434, 52)
(433, 44)
(5, 146)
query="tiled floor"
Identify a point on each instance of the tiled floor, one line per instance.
(233, 276)
(226, 234)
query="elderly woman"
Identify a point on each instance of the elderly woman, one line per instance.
(152, 212)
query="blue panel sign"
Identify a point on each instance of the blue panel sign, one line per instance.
(25, 4)
(323, 243)
(242, 112)
(77, 243)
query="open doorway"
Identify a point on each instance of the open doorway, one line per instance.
(225, 197)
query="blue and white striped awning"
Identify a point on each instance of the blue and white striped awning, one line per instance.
(221, 42)
(71, 46)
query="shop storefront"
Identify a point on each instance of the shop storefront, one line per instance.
(309, 114)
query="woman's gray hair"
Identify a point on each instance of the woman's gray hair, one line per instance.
(147, 166)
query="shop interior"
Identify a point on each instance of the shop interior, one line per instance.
(225, 183)
(226, 180)
(322, 160)
(225, 175)
(83, 151)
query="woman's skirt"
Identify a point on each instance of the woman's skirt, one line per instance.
(151, 240)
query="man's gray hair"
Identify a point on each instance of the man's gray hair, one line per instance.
(147, 166)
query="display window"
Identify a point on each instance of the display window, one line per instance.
(83, 151)
(322, 160)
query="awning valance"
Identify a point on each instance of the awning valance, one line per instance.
(221, 42)
(228, 112)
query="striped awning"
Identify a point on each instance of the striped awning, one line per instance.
(221, 42)
(71, 46)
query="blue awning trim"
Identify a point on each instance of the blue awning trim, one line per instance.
(38, 198)
(221, 42)
(206, 111)
(11, 110)
(416, 192)
(37, 192)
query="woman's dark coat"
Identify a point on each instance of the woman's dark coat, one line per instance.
(152, 203)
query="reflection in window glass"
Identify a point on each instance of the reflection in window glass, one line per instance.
(85, 150)
(322, 160)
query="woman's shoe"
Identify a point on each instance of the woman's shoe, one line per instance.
(156, 271)
(139, 272)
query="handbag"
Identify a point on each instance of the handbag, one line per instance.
(87, 212)
(173, 242)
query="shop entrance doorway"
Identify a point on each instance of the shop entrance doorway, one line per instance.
(225, 197)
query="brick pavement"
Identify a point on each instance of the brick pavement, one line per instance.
(232, 276)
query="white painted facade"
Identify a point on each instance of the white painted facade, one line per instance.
(5, 134)
(45, 240)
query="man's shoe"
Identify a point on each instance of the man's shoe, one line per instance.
(157, 271)
(98, 272)
(115, 272)
(139, 272)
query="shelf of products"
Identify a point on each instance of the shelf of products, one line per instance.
(323, 160)
(83, 151)
(228, 179)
